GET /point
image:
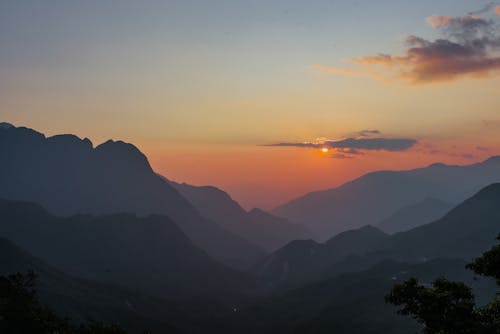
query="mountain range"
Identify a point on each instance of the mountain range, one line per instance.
(263, 229)
(149, 254)
(68, 176)
(83, 300)
(111, 240)
(415, 215)
(467, 230)
(376, 196)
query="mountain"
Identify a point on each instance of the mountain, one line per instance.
(352, 302)
(467, 230)
(415, 215)
(67, 175)
(261, 228)
(83, 300)
(149, 254)
(375, 196)
(306, 260)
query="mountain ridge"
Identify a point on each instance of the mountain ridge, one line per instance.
(374, 196)
(67, 176)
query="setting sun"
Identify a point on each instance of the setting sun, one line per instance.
(324, 150)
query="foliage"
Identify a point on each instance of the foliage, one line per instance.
(488, 264)
(21, 312)
(447, 307)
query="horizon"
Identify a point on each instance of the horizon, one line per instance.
(247, 104)
(249, 206)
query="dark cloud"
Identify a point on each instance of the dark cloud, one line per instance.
(386, 144)
(492, 6)
(353, 145)
(351, 150)
(368, 133)
(469, 46)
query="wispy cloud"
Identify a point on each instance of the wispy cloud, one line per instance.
(368, 133)
(469, 47)
(491, 123)
(482, 148)
(351, 147)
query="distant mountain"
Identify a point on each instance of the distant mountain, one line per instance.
(414, 215)
(375, 196)
(306, 260)
(261, 228)
(466, 231)
(67, 175)
(148, 254)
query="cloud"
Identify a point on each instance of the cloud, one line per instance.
(386, 144)
(482, 148)
(340, 156)
(469, 47)
(354, 145)
(439, 20)
(463, 155)
(351, 150)
(491, 123)
(368, 133)
(488, 8)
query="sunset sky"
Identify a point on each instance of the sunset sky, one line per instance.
(244, 95)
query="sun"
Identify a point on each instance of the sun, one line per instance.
(324, 149)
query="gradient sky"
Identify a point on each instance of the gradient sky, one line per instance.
(202, 86)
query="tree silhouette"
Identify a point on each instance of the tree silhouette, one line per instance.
(448, 307)
(21, 312)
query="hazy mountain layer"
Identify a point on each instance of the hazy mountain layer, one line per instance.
(149, 254)
(414, 215)
(466, 231)
(261, 228)
(67, 175)
(375, 196)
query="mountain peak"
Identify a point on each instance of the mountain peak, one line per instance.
(493, 190)
(70, 141)
(492, 160)
(6, 126)
(437, 165)
(120, 152)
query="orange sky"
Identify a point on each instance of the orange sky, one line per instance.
(266, 177)
(200, 87)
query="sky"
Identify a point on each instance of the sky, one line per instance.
(246, 95)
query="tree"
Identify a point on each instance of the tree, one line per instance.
(448, 307)
(21, 312)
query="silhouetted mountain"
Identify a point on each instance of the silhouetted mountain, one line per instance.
(66, 175)
(466, 231)
(375, 196)
(261, 228)
(84, 300)
(415, 215)
(306, 260)
(149, 254)
(351, 302)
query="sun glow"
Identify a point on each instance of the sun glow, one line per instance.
(324, 150)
